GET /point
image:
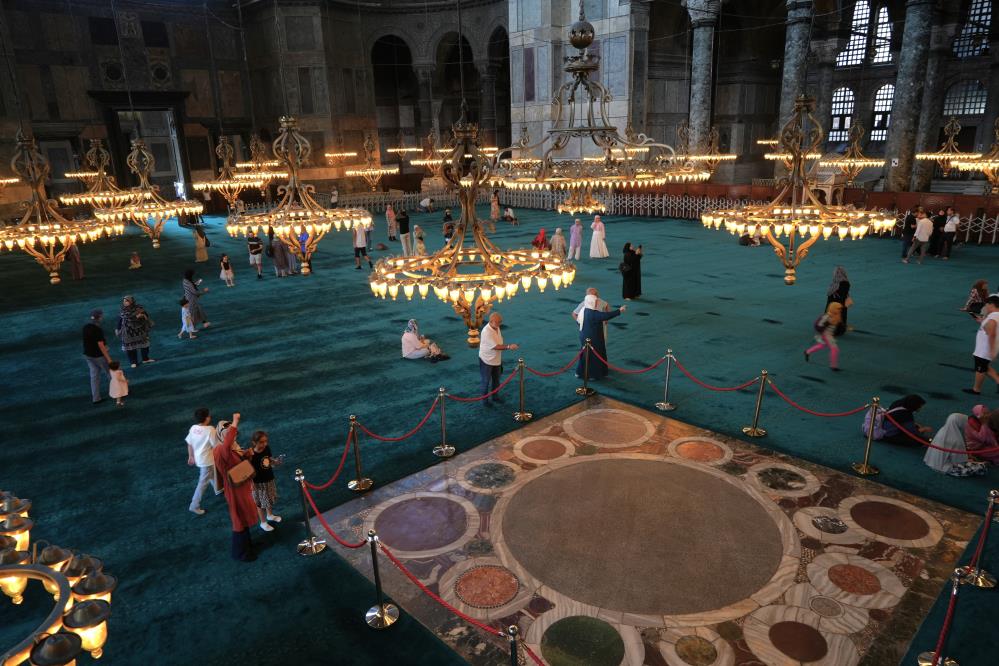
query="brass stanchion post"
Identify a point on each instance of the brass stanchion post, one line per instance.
(931, 658)
(522, 414)
(311, 545)
(382, 615)
(978, 576)
(585, 389)
(512, 633)
(865, 468)
(359, 483)
(443, 450)
(666, 405)
(754, 430)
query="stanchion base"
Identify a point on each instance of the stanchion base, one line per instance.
(311, 546)
(665, 406)
(865, 470)
(585, 390)
(522, 416)
(980, 578)
(443, 450)
(382, 617)
(750, 431)
(360, 485)
(926, 659)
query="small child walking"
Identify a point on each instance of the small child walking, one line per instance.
(225, 272)
(119, 384)
(264, 489)
(421, 245)
(825, 329)
(186, 321)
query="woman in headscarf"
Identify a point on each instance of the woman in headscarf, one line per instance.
(416, 346)
(903, 412)
(242, 509)
(494, 209)
(976, 299)
(279, 253)
(591, 322)
(133, 329)
(598, 246)
(393, 228)
(558, 244)
(982, 433)
(540, 242)
(631, 272)
(192, 293)
(839, 292)
(950, 436)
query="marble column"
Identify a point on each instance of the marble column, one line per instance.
(825, 56)
(986, 135)
(487, 103)
(703, 17)
(931, 109)
(796, 38)
(900, 148)
(639, 64)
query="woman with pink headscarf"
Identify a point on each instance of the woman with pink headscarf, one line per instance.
(598, 245)
(982, 433)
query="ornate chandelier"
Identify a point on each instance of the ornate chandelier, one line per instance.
(42, 232)
(371, 172)
(298, 219)
(79, 587)
(712, 156)
(796, 212)
(103, 193)
(339, 156)
(988, 163)
(259, 167)
(470, 273)
(401, 148)
(853, 161)
(86, 177)
(8, 180)
(948, 152)
(148, 210)
(226, 182)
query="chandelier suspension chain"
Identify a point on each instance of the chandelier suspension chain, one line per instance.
(124, 68)
(277, 43)
(9, 57)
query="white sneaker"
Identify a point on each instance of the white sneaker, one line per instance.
(265, 527)
(199, 511)
(274, 519)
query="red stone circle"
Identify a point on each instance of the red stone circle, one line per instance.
(543, 449)
(889, 520)
(700, 451)
(799, 641)
(487, 586)
(854, 579)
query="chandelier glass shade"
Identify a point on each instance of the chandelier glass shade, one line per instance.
(988, 163)
(226, 183)
(372, 171)
(102, 192)
(949, 151)
(470, 272)
(297, 219)
(795, 213)
(42, 231)
(853, 161)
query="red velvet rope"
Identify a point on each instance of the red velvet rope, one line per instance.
(931, 445)
(627, 372)
(945, 629)
(530, 653)
(408, 434)
(559, 371)
(709, 386)
(828, 415)
(326, 525)
(343, 459)
(984, 536)
(487, 395)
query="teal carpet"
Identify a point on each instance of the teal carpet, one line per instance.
(296, 356)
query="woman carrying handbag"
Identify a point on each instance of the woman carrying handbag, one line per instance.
(236, 473)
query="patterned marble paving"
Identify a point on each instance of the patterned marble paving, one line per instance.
(602, 531)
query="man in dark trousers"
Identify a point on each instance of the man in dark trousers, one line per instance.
(96, 354)
(402, 219)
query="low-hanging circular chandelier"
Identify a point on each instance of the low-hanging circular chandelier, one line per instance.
(853, 161)
(372, 171)
(711, 156)
(85, 176)
(470, 272)
(260, 167)
(226, 183)
(43, 232)
(81, 592)
(988, 163)
(298, 219)
(795, 212)
(949, 151)
(340, 155)
(148, 211)
(103, 192)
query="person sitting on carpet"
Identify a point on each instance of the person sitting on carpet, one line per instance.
(509, 216)
(134, 262)
(416, 346)
(976, 299)
(903, 412)
(982, 433)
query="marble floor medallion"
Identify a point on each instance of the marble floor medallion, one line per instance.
(614, 536)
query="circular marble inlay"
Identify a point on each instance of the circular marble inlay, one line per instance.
(829, 524)
(421, 523)
(705, 452)
(853, 579)
(578, 640)
(696, 651)
(824, 524)
(544, 448)
(798, 641)
(489, 475)
(889, 520)
(609, 428)
(487, 586)
(776, 478)
(646, 532)
(825, 606)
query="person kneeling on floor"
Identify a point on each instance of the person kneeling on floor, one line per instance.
(416, 346)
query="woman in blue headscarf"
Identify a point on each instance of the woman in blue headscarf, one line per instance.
(416, 346)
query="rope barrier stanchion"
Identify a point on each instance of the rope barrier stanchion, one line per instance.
(512, 632)
(585, 390)
(359, 483)
(978, 576)
(755, 430)
(443, 450)
(382, 615)
(311, 545)
(866, 468)
(937, 658)
(522, 414)
(666, 405)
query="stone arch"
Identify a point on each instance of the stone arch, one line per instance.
(449, 62)
(396, 92)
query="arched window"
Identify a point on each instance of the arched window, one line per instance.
(882, 38)
(882, 112)
(965, 98)
(974, 37)
(842, 113)
(856, 48)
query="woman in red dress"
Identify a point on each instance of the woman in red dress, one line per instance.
(242, 510)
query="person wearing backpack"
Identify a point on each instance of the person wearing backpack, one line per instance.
(825, 329)
(902, 424)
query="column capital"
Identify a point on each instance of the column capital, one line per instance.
(826, 50)
(942, 36)
(703, 13)
(798, 11)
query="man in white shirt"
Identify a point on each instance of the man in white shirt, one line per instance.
(491, 348)
(201, 439)
(602, 305)
(921, 241)
(426, 205)
(986, 344)
(361, 246)
(949, 232)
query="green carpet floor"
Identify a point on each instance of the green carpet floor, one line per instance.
(296, 356)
